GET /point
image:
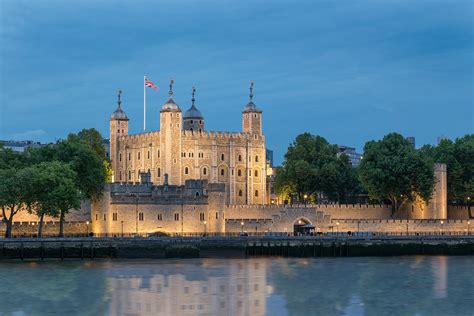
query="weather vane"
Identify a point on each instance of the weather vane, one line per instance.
(251, 90)
(171, 87)
(119, 94)
(194, 92)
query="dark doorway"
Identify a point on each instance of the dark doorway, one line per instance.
(303, 227)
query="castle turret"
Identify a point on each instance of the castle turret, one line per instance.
(118, 127)
(251, 116)
(170, 139)
(193, 119)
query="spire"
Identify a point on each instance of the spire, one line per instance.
(119, 102)
(251, 90)
(171, 88)
(193, 99)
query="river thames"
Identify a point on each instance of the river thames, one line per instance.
(419, 285)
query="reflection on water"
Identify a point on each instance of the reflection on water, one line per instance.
(265, 286)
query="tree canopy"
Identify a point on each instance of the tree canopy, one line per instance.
(392, 169)
(459, 159)
(313, 167)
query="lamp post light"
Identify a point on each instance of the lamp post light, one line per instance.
(468, 224)
(205, 228)
(122, 229)
(242, 225)
(136, 215)
(337, 228)
(442, 222)
(305, 197)
(87, 228)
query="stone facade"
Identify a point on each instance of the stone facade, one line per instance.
(186, 151)
(196, 206)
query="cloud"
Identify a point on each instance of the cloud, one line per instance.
(29, 135)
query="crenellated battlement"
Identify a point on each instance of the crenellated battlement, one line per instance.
(142, 137)
(213, 135)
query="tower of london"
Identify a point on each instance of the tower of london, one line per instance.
(184, 150)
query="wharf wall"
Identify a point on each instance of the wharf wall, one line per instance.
(238, 247)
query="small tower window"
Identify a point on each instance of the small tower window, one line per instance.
(240, 157)
(120, 157)
(129, 156)
(256, 158)
(138, 155)
(256, 193)
(176, 216)
(239, 173)
(222, 157)
(148, 154)
(158, 154)
(256, 173)
(129, 175)
(120, 175)
(240, 192)
(191, 122)
(159, 172)
(204, 171)
(222, 172)
(186, 170)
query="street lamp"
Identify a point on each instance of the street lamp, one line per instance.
(87, 225)
(122, 229)
(442, 222)
(205, 227)
(305, 197)
(337, 228)
(468, 223)
(242, 224)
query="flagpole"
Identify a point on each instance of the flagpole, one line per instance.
(144, 102)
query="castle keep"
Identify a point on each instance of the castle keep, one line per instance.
(183, 150)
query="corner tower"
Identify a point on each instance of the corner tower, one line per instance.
(193, 119)
(251, 116)
(118, 127)
(170, 139)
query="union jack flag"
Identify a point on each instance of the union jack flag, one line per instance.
(150, 84)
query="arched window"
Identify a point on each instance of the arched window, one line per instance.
(129, 175)
(240, 157)
(197, 194)
(138, 155)
(204, 171)
(222, 172)
(158, 154)
(256, 158)
(239, 173)
(256, 193)
(186, 170)
(159, 172)
(129, 156)
(120, 175)
(222, 157)
(120, 157)
(148, 154)
(240, 192)
(256, 173)
(191, 122)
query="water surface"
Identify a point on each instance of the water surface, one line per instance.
(263, 286)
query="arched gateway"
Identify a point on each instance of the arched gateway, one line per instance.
(303, 226)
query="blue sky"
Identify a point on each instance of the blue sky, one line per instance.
(350, 71)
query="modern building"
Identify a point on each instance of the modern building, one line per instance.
(354, 157)
(269, 154)
(183, 150)
(19, 145)
(412, 141)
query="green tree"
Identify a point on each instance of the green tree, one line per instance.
(392, 169)
(458, 157)
(91, 169)
(54, 190)
(92, 138)
(313, 166)
(15, 192)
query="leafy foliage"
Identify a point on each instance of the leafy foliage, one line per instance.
(312, 166)
(459, 158)
(392, 169)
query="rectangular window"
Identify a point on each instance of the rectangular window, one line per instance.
(201, 216)
(160, 217)
(217, 215)
(105, 217)
(96, 217)
(114, 216)
(140, 216)
(176, 216)
(158, 154)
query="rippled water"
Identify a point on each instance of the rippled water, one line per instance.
(263, 286)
